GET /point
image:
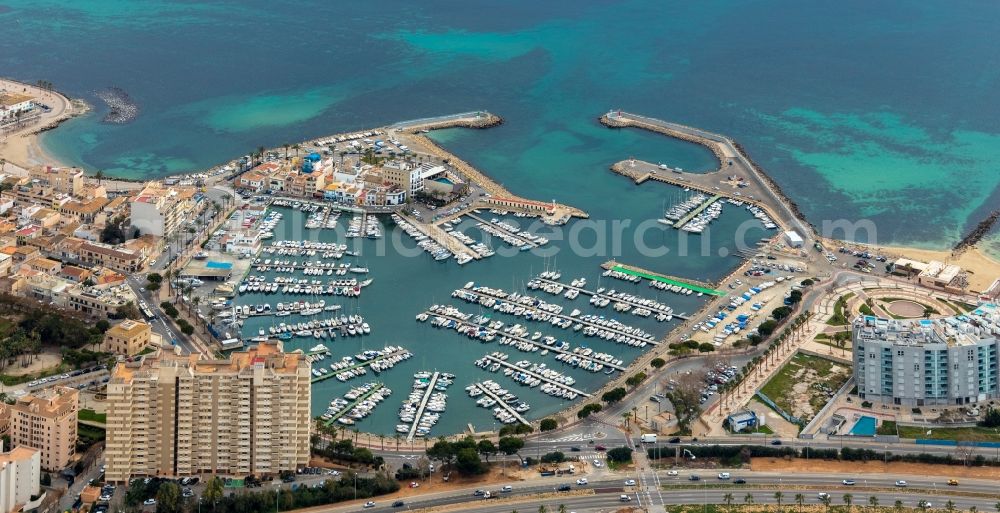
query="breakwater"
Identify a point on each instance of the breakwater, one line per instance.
(732, 157)
(977, 233)
(121, 107)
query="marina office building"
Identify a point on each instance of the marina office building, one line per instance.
(917, 362)
(181, 415)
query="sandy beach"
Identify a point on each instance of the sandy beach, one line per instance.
(22, 147)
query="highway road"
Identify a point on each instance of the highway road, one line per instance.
(605, 492)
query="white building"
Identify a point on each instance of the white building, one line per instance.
(13, 103)
(794, 239)
(20, 477)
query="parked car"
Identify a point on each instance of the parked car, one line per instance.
(370, 504)
(582, 481)
(671, 473)
(149, 502)
(565, 488)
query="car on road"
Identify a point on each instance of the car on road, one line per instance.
(925, 504)
(598, 464)
(822, 495)
(575, 448)
(187, 493)
(953, 482)
(671, 473)
(564, 488)
(675, 440)
(775, 442)
(600, 448)
(370, 504)
(414, 484)
(739, 480)
(630, 482)
(507, 489)
(478, 493)
(848, 482)
(724, 475)
(624, 498)
(582, 481)
(901, 483)
(694, 477)
(398, 504)
(149, 502)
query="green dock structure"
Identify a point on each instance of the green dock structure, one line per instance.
(690, 215)
(704, 288)
(343, 411)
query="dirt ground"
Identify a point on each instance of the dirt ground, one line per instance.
(775, 422)
(872, 467)
(42, 361)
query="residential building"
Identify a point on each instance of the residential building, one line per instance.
(119, 258)
(99, 301)
(20, 477)
(160, 211)
(46, 420)
(83, 211)
(403, 175)
(127, 337)
(179, 415)
(67, 180)
(922, 362)
(44, 265)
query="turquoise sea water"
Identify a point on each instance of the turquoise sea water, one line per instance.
(885, 111)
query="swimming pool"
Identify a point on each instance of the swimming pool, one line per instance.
(865, 426)
(218, 265)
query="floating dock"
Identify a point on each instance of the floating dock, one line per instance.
(697, 286)
(635, 304)
(340, 413)
(574, 320)
(699, 209)
(539, 344)
(500, 402)
(504, 230)
(536, 376)
(423, 404)
(332, 373)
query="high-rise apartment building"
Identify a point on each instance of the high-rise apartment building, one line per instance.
(46, 420)
(181, 415)
(922, 362)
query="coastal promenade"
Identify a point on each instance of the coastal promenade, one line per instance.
(735, 166)
(19, 141)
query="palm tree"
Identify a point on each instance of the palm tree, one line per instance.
(261, 151)
(848, 499)
(381, 438)
(728, 499)
(825, 499)
(562, 508)
(297, 147)
(873, 502)
(949, 506)
(898, 505)
(286, 150)
(997, 506)
(777, 498)
(748, 499)
(973, 509)
(800, 499)
(542, 509)
(398, 437)
(99, 175)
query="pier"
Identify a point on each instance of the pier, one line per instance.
(500, 402)
(317, 379)
(340, 413)
(574, 320)
(504, 230)
(536, 375)
(634, 304)
(695, 285)
(443, 238)
(734, 162)
(423, 404)
(539, 344)
(699, 209)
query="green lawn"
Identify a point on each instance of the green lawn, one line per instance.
(780, 387)
(972, 434)
(838, 318)
(888, 427)
(91, 433)
(92, 416)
